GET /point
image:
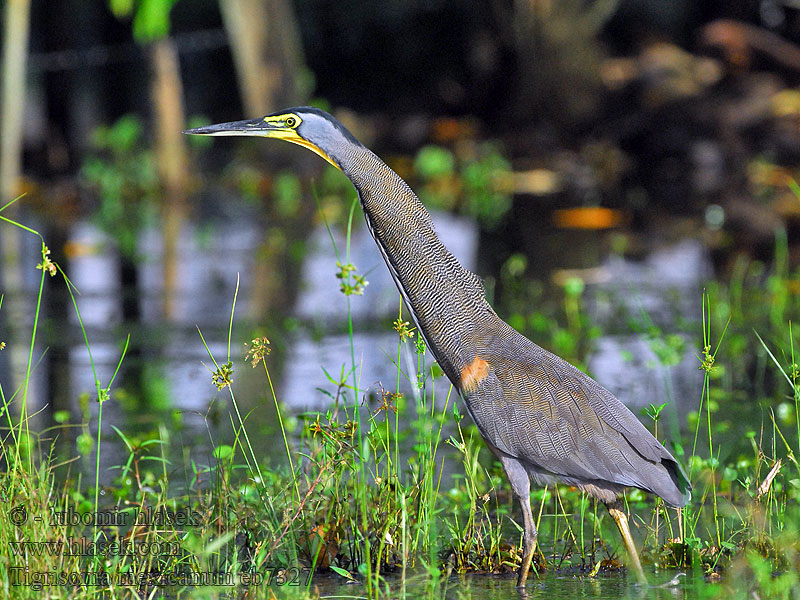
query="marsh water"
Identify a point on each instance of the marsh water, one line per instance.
(663, 585)
(171, 369)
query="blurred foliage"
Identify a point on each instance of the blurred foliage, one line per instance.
(560, 325)
(121, 170)
(198, 141)
(150, 17)
(468, 182)
(758, 300)
(287, 194)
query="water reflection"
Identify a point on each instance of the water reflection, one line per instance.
(551, 586)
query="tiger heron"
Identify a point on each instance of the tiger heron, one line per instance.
(545, 420)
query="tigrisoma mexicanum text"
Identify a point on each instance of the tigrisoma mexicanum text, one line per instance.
(545, 420)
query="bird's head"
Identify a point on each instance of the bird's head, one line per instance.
(310, 127)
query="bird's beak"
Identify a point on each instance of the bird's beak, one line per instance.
(258, 127)
(261, 128)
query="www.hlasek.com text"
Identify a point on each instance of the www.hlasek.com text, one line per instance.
(86, 547)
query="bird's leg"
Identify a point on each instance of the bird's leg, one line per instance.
(616, 512)
(529, 540)
(521, 484)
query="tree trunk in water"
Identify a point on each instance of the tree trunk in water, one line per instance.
(267, 52)
(559, 56)
(15, 50)
(265, 42)
(167, 95)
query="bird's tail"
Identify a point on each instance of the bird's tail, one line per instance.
(679, 491)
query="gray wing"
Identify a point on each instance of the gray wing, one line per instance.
(539, 408)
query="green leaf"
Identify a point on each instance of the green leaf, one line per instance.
(127, 442)
(574, 287)
(434, 161)
(342, 572)
(152, 20)
(287, 192)
(223, 452)
(121, 8)
(84, 443)
(61, 416)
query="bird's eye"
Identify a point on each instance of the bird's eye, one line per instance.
(291, 122)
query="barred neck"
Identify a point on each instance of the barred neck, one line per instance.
(446, 301)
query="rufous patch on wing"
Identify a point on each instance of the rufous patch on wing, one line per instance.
(473, 373)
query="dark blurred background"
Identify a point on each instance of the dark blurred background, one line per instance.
(615, 144)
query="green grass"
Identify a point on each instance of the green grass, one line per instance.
(360, 492)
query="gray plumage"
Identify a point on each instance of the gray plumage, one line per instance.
(532, 405)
